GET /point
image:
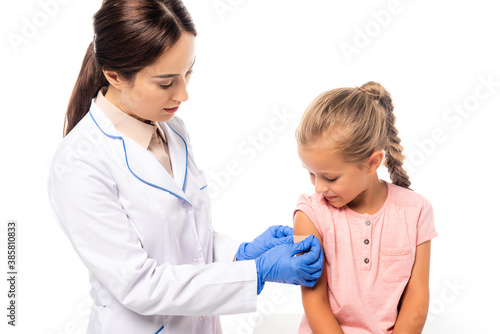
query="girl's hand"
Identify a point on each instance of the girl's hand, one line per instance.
(415, 299)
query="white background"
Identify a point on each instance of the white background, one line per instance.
(256, 59)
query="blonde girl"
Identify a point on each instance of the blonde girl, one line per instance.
(375, 235)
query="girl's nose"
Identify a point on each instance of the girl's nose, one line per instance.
(319, 187)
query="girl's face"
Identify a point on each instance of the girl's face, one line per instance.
(338, 181)
(158, 89)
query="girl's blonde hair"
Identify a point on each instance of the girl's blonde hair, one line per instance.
(355, 122)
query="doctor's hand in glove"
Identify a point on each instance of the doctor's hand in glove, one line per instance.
(274, 236)
(280, 264)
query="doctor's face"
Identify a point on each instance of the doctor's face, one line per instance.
(158, 89)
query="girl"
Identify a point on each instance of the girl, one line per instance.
(126, 190)
(375, 235)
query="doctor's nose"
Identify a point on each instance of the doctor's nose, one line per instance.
(180, 94)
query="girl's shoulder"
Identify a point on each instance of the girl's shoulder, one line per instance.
(317, 209)
(316, 201)
(404, 197)
(314, 206)
(415, 210)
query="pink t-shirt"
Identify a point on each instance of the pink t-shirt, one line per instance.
(369, 258)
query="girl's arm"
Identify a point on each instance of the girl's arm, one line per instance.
(315, 300)
(415, 299)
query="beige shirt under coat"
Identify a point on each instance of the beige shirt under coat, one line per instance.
(142, 133)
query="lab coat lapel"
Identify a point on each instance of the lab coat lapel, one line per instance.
(144, 165)
(178, 152)
(139, 161)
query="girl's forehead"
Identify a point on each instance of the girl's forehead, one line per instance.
(321, 160)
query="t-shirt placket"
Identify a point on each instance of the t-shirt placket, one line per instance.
(366, 247)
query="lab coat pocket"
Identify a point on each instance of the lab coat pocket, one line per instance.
(396, 264)
(201, 180)
(202, 183)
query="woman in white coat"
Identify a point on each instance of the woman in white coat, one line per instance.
(126, 190)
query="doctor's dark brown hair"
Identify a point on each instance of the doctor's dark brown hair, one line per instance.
(355, 122)
(129, 35)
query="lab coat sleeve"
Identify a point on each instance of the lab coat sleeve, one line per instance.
(85, 202)
(225, 247)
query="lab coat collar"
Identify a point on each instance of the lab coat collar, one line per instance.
(131, 127)
(142, 164)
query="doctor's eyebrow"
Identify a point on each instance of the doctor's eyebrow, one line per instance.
(165, 76)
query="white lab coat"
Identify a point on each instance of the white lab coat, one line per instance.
(155, 264)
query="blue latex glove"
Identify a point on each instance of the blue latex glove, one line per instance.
(280, 264)
(272, 237)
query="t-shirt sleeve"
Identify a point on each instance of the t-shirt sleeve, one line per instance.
(306, 205)
(425, 225)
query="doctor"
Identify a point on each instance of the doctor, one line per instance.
(126, 190)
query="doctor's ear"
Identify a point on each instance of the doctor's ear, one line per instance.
(114, 79)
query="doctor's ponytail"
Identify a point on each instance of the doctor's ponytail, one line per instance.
(89, 82)
(129, 35)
